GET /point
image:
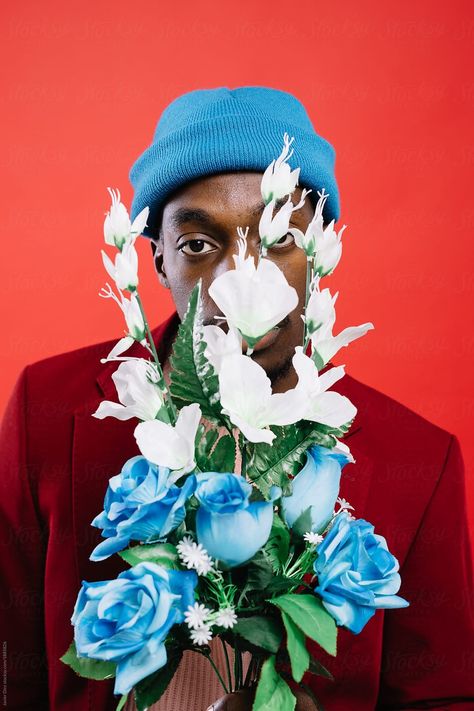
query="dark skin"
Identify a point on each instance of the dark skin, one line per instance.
(201, 245)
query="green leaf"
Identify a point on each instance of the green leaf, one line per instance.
(164, 554)
(88, 668)
(272, 692)
(193, 378)
(299, 655)
(277, 546)
(303, 523)
(276, 463)
(316, 667)
(262, 632)
(152, 688)
(308, 613)
(222, 458)
(205, 443)
(259, 574)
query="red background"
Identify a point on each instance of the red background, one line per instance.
(388, 84)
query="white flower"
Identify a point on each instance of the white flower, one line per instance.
(313, 538)
(344, 505)
(117, 226)
(327, 408)
(246, 397)
(124, 271)
(323, 244)
(194, 556)
(220, 344)
(136, 382)
(196, 615)
(202, 635)
(271, 227)
(320, 317)
(253, 299)
(328, 250)
(278, 179)
(133, 318)
(169, 446)
(320, 309)
(226, 617)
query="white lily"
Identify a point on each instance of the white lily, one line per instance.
(219, 344)
(271, 227)
(308, 240)
(320, 318)
(328, 250)
(133, 319)
(247, 399)
(169, 446)
(136, 382)
(278, 179)
(124, 271)
(117, 226)
(253, 299)
(326, 408)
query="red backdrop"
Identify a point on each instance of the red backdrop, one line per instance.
(387, 83)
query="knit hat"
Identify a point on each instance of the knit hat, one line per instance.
(209, 131)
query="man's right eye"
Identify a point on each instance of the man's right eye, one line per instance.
(195, 246)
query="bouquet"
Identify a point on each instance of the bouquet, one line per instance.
(229, 520)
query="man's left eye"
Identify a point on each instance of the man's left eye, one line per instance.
(283, 241)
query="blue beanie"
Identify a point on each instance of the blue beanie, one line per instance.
(209, 131)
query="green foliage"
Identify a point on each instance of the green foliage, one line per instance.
(308, 613)
(193, 378)
(278, 544)
(152, 688)
(272, 691)
(295, 642)
(88, 668)
(164, 554)
(264, 633)
(277, 463)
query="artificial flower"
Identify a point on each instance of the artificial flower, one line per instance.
(117, 226)
(124, 271)
(253, 299)
(133, 318)
(136, 382)
(171, 446)
(271, 227)
(278, 179)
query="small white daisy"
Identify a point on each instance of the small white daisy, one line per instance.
(196, 615)
(226, 617)
(202, 635)
(313, 538)
(194, 556)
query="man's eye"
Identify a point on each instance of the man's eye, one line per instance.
(284, 241)
(195, 246)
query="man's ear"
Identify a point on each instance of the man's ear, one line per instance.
(157, 252)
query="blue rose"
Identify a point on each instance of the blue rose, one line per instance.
(314, 490)
(127, 620)
(356, 572)
(140, 505)
(229, 527)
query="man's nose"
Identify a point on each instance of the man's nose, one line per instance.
(227, 261)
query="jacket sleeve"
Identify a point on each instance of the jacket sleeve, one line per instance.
(428, 648)
(22, 563)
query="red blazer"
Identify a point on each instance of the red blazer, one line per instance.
(408, 480)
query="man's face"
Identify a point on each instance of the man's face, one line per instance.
(198, 238)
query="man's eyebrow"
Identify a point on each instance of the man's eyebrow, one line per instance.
(197, 214)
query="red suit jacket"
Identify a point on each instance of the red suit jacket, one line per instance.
(408, 480)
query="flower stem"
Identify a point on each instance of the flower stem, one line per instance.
(308, 282)
(227, 663)
(161, 378)
(208, 656)
(243, 451)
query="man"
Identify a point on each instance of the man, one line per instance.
(201, 179)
